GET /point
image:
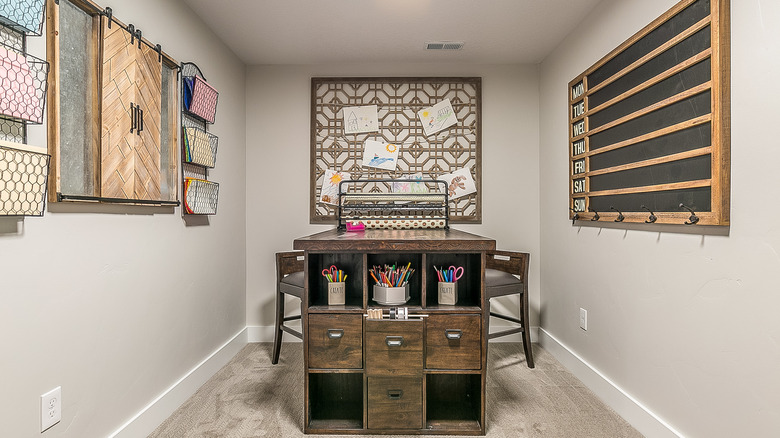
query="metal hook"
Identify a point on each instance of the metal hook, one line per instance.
(620, 215)
(576, 215)
(108, 13)
(138, 35)
(653, 217)
(693, 219)
(131, 31)
(595, 216)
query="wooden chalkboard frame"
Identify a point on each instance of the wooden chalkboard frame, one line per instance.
(659, 201)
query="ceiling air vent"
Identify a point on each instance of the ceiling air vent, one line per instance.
(444, 45)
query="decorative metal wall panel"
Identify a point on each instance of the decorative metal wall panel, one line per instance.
(398, 101)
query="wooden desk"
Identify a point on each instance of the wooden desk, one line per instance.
(356, 380)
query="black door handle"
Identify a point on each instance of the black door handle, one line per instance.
(133, 116)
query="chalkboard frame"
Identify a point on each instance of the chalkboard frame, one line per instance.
(711, 196)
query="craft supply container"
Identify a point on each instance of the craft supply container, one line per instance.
(448, 293)
(336, 293)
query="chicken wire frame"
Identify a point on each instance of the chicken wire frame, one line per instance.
(398, 100)
(23, 181)
(24, 16)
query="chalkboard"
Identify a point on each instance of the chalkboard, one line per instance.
(649, 124)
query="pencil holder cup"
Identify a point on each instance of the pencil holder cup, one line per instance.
(336, 293)
(448, 293)
(391, 296)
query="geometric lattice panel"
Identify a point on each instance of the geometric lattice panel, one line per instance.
(23, 176)
(398, 100)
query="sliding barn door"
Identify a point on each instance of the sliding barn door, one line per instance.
(130, 119)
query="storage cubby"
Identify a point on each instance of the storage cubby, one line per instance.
(351, 264)
(335, 401)
(453, 402)
(469, 285)
(400, 260)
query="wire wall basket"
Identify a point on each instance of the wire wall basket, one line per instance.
(23, 181)
(200, 196)
(25, 16)
(199, 98)
(200, 147)
(22, 85)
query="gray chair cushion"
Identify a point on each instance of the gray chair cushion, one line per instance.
(499, 283)
(292, 284)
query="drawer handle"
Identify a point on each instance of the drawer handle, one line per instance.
(394, 341)
(335, 333)
(395, 394)
(453, 334)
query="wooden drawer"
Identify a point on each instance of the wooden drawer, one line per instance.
(453, 342)
(335, 341)
(394, 347)
(394, 402)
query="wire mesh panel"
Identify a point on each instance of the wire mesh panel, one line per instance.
(23, 15)
(199, 98)
(399, 104)
(22, 85)
(200, 196)
(23, 177)
(200, 147)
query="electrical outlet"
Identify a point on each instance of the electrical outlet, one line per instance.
(583, 319)
(51, 408)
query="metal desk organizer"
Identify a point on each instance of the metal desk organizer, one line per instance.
(378, 209)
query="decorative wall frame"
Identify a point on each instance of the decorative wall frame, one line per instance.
(398, 100)
(649, 124)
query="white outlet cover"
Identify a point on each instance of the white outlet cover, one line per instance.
(583, 319)
(51, 408)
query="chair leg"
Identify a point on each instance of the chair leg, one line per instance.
(529, 356)
(278, 327)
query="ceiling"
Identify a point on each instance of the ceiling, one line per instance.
(360, 31)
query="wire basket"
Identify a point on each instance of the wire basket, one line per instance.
(200, 196)
(25, 16)
(23, 180)
(22, 85)
(200, 147)
(198, 97)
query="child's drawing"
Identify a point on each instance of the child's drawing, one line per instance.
(437, 117)
(329, 192)
(410, 186)
(379, 154)
(360, 119)
(459, 183)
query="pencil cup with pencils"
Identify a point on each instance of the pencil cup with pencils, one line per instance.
(336, 285)
(392, 284)
(448, 284)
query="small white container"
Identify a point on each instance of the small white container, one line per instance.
(448, 293)
(336, 293)
(391, 296)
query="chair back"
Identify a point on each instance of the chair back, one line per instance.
(288, 263)
(513, 262)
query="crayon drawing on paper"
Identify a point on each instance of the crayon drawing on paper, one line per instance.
(437, 117)
(360, 119)
(329, 192)
(380, 155)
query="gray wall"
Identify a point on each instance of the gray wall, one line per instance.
(685, 320)
(117, 304)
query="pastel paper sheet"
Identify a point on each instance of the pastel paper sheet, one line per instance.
(204, 100)
(18, 95)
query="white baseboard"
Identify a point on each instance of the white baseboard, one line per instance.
(264, 333)
(151, 416)
(636, 414)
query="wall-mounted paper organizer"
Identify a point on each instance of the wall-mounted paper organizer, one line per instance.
(199, 147)
(200, 196)
(23, 16)
(23, 180)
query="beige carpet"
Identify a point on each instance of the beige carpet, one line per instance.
(249, 397)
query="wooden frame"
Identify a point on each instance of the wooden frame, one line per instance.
(398, 100)
(638, 91)
(95, 71)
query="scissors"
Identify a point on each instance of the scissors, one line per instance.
(330, 273)
(456, 273)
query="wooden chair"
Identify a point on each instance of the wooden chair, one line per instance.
(508, 275)
(289, 280)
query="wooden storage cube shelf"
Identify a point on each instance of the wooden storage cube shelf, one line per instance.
(351, 264)
(394, 402)
(394, 347)
(453, 342)
(469, 286)
(453, 402)
(335, 401)
(400, 260)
